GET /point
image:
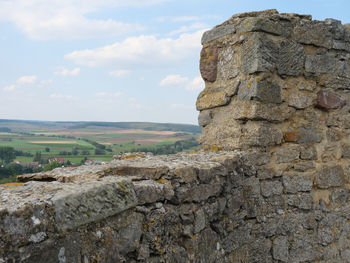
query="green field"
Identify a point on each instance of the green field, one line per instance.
(74, 141)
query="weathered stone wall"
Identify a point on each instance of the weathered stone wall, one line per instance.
(277, 97)
(276, 79)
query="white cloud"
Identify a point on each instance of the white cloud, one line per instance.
(26, 80)
(196, 84)
(134, 104)
(67, 19)
(9, 88)
(22, 81)
(67, 72)
(60, 96)
(173, 81)
(189, 28)
(184, 18)
(119, 73)
(140, 52)
(180, 106)
(178, 81)
(45, 83)
(108, 94)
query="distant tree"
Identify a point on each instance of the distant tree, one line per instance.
(68, 163)
(7, 154)
(85, 152)
(83, 160)
(52, 165)
(47, 149)
(37, 169)
(37, 157)
(5, 129)
(15, 168)
(75, 151)
(4, 172)
(99, 151)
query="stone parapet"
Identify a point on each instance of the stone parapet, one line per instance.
(238, 206)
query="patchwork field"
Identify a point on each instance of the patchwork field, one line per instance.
(75, 141)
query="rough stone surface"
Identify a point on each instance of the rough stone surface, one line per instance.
(300, 100)
(330, 176)
(205, 117)
(279, 194)
(306, 134)
(259, 90)
(212, 100)
(259, 54)
(217, 32)
(291, 59)
(317, 33)
(262, 24)
(329, 100)
(320, 63)
(209, 63)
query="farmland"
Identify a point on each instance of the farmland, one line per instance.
(75, 141)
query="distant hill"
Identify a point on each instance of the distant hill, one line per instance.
(25, 125)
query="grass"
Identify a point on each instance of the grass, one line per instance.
(10, 179)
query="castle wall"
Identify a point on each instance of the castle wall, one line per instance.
(272, 185)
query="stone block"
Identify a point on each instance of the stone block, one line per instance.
(335, 82)
(199, 221)
(313, 33)
(343, 68)
(251, 187)
(340, 197)
(329, 229)
(302, 201)
(280, 248)
(92, 201)
(291, 59)
(303, 248)
(208, 64)
(329, 176)
(212, 100)
(262, 24)
(308, 153)
(254, 110)
(270, 188)
(320, 63)
(260, 90)
(227, 64)
(204, 118)
(217, 32)
(345, 150)
(256, 134)
(196, 193)
(287, 154)
(259, 54)
(149, 191)
(341, 45)
(328, 100)
(296, 183)
(337, 28)
(300, 100)
(305, 134)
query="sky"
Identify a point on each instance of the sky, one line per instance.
(116, 60)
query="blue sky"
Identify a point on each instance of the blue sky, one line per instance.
(115, 60)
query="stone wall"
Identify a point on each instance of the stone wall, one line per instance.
(276, 79)
(273, 186)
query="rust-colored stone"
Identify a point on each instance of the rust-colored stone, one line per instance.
(329, 100)
(292, 136)
(208, 63)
